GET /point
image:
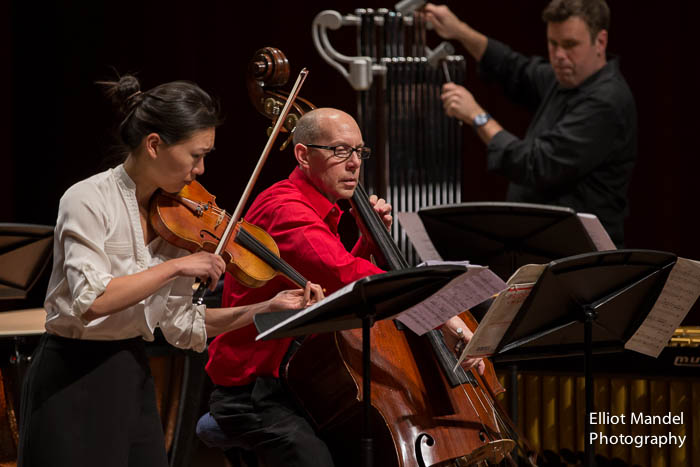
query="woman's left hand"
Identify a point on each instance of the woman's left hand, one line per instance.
(297, 299)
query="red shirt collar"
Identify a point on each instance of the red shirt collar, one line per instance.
(323, 207)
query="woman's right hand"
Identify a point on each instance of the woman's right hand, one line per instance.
(203, 265)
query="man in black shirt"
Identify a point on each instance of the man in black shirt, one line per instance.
(580, 148)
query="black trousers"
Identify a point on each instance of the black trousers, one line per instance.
(90, 403)
(261, 417)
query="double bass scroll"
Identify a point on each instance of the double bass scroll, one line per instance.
(267, 71)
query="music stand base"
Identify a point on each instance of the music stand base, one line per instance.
(367, 452)
(590, 316)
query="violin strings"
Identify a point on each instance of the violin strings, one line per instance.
(269, 257)
(215, 211)
(210, 210)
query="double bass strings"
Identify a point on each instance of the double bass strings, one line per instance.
(500, 421)
(471, 402)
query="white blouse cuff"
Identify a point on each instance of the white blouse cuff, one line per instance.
(185, 327)
(95, 283)
(199, 329)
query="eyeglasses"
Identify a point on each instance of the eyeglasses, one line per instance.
(343, 151)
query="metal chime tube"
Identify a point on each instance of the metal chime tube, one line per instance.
(417, 148)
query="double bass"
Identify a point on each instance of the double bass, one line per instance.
(423, 413)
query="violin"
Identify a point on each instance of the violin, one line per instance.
(191, 220)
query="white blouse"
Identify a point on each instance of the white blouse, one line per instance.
(98, 236)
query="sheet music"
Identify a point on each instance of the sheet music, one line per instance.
(596, 232)
(414, 228)
(477, 284)
(526, 274)
(680, 292)
(502, 311)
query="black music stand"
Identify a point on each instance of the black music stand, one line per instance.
(359, 305)
(505, 236)
(585, 304)
(25, 253)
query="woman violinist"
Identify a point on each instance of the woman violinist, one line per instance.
(89, 397)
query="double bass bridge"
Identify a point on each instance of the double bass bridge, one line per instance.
(492, 453)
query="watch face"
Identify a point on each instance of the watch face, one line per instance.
(481, 120)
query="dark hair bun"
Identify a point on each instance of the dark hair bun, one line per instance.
(172, 110)
(122, 93)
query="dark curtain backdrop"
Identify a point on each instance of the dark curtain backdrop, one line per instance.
(57, 126)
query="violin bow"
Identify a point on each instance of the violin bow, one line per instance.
(198, 296)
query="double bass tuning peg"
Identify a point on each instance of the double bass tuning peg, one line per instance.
(272, 108)
(290, 124)
(288, 140)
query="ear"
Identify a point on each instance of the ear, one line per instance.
(152, 141)
(301, 153)
(601, 42)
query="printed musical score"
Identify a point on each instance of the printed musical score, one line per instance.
(680, 292)
(476, 285)
(502, 311)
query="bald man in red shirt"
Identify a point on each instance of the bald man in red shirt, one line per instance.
(249, 403)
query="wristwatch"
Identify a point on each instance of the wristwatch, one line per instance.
(481, 119)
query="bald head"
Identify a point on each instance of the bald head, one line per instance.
(317, 134)
(316, 126)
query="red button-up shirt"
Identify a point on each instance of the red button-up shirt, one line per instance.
(304, 223)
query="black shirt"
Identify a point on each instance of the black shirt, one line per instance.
(581, 146)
